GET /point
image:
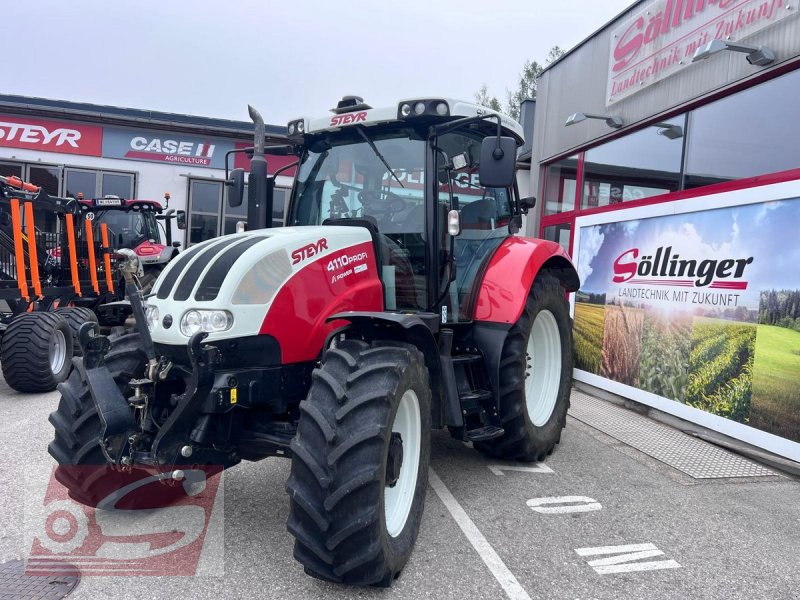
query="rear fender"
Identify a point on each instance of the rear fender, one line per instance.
(411, 329)
(509, 277)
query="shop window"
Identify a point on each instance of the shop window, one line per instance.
(749, 133)
(117, 184)
(45, 177)
(279, 206)
(10, 169)
(559, 186)
(81, 182)
(561, 233)
(639, 165)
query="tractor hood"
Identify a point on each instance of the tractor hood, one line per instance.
(244, 273)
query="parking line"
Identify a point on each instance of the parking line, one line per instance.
(496, 565)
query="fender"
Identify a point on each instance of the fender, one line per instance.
(416, 329)
(509, 277)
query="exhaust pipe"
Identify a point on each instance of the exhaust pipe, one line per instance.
(259, 198)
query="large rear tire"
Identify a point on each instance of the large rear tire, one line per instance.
(360, 463)
(535, 376)
(36, 352)
(76, 445)
(75, 316)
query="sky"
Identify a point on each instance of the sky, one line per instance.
(288, 59)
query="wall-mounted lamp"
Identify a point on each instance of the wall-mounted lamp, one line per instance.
(612, 121)
(669, 130)
(759, 56)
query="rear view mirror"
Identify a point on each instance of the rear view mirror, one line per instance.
(235, 188)
(180, 219)
(498, 161)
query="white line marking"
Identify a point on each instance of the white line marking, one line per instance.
(539, 468)
(570, 504)
(495, 564)
(625, 554)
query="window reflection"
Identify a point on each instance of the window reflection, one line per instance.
(750, 133)
(559, 185)
(639, 165)
(561, 233)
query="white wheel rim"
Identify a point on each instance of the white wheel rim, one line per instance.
(397, 500)
(58, 351)
(543, 368)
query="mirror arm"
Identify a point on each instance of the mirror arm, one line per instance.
(447, 127)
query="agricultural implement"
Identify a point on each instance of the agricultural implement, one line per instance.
(397, 301)
(45, 273)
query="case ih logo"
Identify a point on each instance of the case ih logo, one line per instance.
(142, 525)
(309, 251)
(665, 268)
(348, 118)
(51, 136)
(174, 151)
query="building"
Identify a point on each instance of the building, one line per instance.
(71, 147)
(678, 119)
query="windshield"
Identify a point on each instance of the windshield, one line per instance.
(127, 229)
(348, 178)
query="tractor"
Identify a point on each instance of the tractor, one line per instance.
(138, 225)
(397, 300)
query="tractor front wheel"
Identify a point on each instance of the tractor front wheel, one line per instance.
(535, 376)
(75, 316)
(360, 463)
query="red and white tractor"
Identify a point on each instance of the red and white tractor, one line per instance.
(397, 300)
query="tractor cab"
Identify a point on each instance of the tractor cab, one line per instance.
(433, 179)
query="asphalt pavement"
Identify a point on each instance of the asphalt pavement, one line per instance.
(598, 519)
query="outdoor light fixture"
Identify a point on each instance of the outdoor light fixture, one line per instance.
(612, 121)
(759, 56)
(669, 130)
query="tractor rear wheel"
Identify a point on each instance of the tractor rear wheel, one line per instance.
(82, 466)
(36, 352)
(75, 316)
(360, 463)
(535, 375)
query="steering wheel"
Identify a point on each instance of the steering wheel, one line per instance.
(381, 204)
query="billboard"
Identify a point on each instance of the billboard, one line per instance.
(174, 148)
(694, 307)
(661, 38)
(50, 136)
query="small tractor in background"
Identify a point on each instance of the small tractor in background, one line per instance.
(397, 300)
(138, 225)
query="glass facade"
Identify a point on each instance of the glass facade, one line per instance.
(749, 133)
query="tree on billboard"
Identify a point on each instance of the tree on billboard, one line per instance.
(526, 85)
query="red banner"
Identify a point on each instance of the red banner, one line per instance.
(51, 136)
(242, 161)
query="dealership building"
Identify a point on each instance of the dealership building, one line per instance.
(666, 160)
(70, 148)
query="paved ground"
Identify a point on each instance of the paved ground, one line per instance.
(733, 538)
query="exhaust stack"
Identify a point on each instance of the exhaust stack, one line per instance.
(259, 196)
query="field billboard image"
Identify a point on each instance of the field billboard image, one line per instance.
(701, 308)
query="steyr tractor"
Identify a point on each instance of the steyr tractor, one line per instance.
(397, 300)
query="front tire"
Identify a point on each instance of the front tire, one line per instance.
(36, 352)
(535, 376)
(360, 463)
(76, 444)
(75, 316)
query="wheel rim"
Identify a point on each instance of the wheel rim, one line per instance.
(543, 368)
(58, 351)
(398, 499)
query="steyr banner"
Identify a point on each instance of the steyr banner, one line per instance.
(701, 308)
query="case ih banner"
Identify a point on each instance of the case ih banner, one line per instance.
(662, 37)
(160, 146)
(50, 136)
(698, 309)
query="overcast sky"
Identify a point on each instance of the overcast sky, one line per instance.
(288, 58)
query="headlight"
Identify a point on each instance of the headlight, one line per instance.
(152, 316)
(210, 321)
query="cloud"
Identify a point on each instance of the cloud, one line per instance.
(591, 241)
(630, 227)
(766, 208)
